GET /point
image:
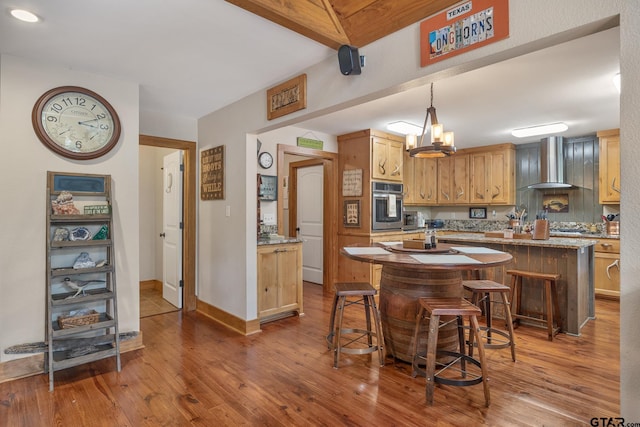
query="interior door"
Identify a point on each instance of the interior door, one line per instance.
(172, 230)
(310, 221)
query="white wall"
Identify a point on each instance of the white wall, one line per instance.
(393, 66)
(23, 166)
(151, 198)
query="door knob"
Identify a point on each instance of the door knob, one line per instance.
(162, 235)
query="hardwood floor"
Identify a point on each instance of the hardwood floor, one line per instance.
(196, 372)
(152, 302)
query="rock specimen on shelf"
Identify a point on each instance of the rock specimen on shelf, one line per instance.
(83, 261)
(80, 233)
(61, 234)
(102, 233)
(63, 205)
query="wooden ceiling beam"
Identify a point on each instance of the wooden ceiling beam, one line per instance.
(314, 19)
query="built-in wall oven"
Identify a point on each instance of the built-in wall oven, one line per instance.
(386, 206)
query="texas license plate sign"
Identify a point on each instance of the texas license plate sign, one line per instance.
(462, 28)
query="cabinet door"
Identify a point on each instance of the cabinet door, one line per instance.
(445, 180)
(267, 280)
(395, 155)
(460, 173)
(426, 181)
(380, 165)
(289, 269)
(478, 182)
(609, 173)
(499, 175)
(607, 274)
(409, 179)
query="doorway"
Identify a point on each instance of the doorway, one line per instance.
(188, 212)
(329, 162)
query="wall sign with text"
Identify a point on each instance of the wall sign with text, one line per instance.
(212, 174)
(462, 28)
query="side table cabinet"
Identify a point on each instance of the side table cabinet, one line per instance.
(81, 307)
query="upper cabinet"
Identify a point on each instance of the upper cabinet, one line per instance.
(609, 172)
(482, 175)
(386, 154)
(492, 180)
(453, 179)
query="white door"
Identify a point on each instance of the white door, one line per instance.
(172, 230)
(309, 214)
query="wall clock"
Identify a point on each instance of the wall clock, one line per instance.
(265, 160)
(75, 122)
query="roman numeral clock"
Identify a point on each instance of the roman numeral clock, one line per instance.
(76, 123)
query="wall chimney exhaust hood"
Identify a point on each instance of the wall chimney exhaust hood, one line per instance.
(551, 164)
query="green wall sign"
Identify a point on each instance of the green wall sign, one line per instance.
(310, 143)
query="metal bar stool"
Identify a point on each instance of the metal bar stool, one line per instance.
(550, 297)
(434, 308)
(481, 291)
(342, 340)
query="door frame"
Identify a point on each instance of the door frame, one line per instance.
(329, 203)
(188, 212)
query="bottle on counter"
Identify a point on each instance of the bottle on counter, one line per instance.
(429, 238)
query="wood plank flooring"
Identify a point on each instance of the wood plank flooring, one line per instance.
(152, 302)
(196, 372)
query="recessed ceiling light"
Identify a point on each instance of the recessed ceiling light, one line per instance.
(24, 15)
(405, 128)
(539, 130)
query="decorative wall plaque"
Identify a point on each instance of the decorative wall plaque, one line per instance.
(352, 183)
(212, 174)
(287, 97)
(351, 213)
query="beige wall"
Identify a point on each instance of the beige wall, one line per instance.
(23, 166)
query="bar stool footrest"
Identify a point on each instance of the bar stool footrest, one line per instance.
(363, 334)
(476, 379)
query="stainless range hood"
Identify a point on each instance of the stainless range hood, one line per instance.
(551, 164)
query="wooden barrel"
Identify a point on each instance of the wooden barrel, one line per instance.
(400, 289)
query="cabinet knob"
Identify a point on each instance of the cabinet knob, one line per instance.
(162, 235)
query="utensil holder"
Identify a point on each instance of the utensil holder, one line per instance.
(613, 228)
(540, 229)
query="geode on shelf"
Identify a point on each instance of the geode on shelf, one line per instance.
(63, 205)
(80, 233)
(61, 234)
(84, 261)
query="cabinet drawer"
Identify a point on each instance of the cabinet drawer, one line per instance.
(608, 246)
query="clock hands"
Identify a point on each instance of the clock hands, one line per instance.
(86, 123)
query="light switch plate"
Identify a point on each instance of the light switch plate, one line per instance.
(269, 219)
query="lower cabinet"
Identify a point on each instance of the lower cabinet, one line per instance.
(279, 280)
(607, 268)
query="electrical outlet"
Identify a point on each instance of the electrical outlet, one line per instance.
(269, 218)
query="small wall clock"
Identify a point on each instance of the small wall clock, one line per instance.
(75, 122)
(265, 160)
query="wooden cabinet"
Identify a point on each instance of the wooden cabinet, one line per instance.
(420, 181)
(82, 315)
(453, 179)
(607, 268)
(492, 177)
(387, 155)
(279, 280)
(609, 172)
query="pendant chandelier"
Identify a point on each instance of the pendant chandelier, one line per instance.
(441, 141)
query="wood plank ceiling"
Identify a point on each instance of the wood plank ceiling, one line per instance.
(338, 22)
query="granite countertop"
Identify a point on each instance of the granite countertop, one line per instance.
(553, 242)
(278, 240)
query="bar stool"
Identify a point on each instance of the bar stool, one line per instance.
(434, 308)
(550, 298)
(336, 340)
(481, 291)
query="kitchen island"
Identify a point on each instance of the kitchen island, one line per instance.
(573, 259)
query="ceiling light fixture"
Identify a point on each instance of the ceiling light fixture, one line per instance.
(404, 128)
(441, 141)
(616, 81)
(540, 130)
(24, 15)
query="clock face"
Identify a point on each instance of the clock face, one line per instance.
(265, 160)
(76, 122)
